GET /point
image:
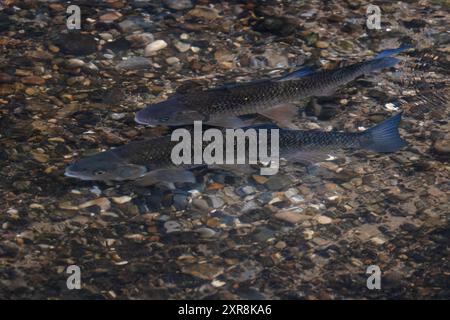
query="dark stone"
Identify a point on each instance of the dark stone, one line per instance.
(276, 25)
(86, 118)
(178, 4)
(118, 45)
(76, 43)
(415, 24)
(322, 108)
(278, 182)
(180, 200)
(409, 227)
(4, 22)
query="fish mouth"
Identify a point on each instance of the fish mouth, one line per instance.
(72, 174)
(137, 120)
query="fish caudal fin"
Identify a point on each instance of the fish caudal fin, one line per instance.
(384, 137)
(385, 60)
(381, 63)
(391, 52)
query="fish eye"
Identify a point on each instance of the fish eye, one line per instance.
(99, 172)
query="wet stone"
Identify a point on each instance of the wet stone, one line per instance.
(262, 234)
(76, 43)
(265, 198)
(277, 25)
(180, 201)
(442, 147)
(134, 23)
(134, 63)
(118, 45)
(323, 108)
(203, 271)
(200, 204)
(172, 60)
(155, 46)
(215, 201)
(178, 4)
(278, 182)
(206, 232)
(172, 226)
(245, 190)
(245, 271)
(291, 216)
(414, 24)
(182, 46)
(75, 63)
(204, 12)
(140, 40)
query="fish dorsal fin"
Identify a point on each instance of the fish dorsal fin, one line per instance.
(303, 72)
(233, 85)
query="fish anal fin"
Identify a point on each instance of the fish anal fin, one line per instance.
(282, 115)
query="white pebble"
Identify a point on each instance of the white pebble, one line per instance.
(155, 46)
(182, 46)
(324, 220)
(172, 60)
(121, 200)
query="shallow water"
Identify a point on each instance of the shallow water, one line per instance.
(308, 232)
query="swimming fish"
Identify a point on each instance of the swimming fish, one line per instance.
(149, 161)
(273, 98)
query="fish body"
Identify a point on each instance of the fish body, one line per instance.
(151, 159)
(220, 106)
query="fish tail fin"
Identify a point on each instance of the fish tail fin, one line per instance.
(381, 63)
(384, 58)
(391, 52)
(384, 137)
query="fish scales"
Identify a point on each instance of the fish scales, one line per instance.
(147, 158)
(251, 98)
(222, 106)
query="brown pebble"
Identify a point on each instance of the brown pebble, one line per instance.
(33, 80)
(322, 44)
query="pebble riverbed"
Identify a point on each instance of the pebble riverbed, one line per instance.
(305, 233)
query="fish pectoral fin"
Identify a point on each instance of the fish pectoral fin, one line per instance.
(227, 122)
(282, 115)
(174, 175)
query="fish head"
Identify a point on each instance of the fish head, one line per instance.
(104, 167)
(171, 112)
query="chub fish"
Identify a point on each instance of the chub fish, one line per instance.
(150, 160)
(272, 98)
